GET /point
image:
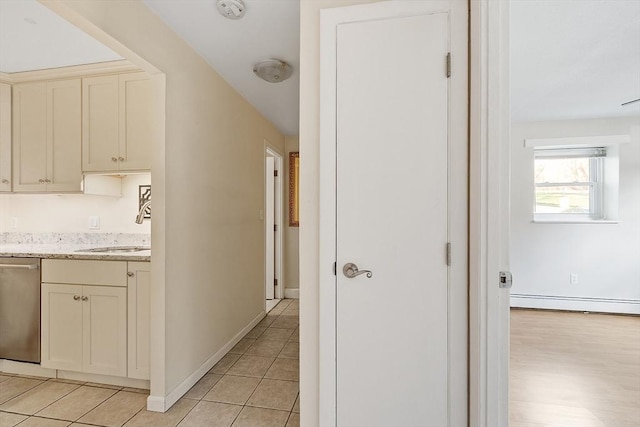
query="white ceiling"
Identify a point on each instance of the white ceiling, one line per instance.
(569, 58)
(269, 29)
(34, 38)
(573, 59)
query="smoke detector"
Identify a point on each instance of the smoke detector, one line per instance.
(232, 9)
(273, 70)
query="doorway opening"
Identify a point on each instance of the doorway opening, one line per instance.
(574, 237)
(274, 286)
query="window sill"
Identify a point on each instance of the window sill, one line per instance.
(575, 221)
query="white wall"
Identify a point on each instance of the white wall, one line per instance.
(291, 234)
(606, 257)
(69, 213)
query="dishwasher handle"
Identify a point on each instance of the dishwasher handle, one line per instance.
(25, 266)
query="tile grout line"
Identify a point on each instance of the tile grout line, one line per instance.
(200, 400)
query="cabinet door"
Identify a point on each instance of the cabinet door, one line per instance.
(29, 136)
(100, 124)
(139, 313)
(104, 330)
(135, 121)
(64, 130)
(61, 334)
(5, 137)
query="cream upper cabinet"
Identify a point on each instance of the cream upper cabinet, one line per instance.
(135, 100)
(47, 126)
(117, 123)
(5, 137)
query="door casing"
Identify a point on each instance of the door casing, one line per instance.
(278, 219)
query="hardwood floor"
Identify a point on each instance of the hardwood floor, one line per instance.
(574, 369)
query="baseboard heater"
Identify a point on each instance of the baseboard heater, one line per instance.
(604, 305)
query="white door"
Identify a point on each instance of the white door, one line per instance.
(392, 219)
(269, 221)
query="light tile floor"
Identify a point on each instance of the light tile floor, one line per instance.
(254, 385)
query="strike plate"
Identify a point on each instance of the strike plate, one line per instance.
(505, 280)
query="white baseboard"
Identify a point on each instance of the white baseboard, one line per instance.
(155, 404)
(23, 368)
(292, 293)
(104, 379)
(162, 404)
(32, 369)
(550, 302)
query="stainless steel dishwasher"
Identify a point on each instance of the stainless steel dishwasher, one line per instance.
(20, 309)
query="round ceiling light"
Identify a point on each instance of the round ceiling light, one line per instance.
(232, 9)
(273, 70)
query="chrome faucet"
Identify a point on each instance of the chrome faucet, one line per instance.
(144, 207)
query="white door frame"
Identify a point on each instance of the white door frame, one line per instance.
(489, 213)
(270, 151)
(327, 222)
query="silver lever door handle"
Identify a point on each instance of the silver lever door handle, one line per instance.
(351, 270)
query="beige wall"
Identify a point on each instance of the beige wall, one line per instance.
(208, 276)
(69, 213)
(291, 234)
(309, 191)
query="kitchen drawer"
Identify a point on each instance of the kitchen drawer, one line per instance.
(84, 272)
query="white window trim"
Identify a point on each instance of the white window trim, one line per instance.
(596, 192)
(578, 142)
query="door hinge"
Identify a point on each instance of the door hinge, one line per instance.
(275, 227)
(448, 64)
(275, 282)
(275, 172)
(449, 254)
(335, 268)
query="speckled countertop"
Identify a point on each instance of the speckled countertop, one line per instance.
(70, 245)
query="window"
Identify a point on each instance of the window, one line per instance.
(569, 183)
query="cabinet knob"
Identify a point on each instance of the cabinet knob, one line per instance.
(76, 297)
(121, 159)
(5, 181)
(41, 181)
(130, 274)
(47, 180)
(114, 159)
(85, 298)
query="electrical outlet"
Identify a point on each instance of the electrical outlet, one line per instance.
(573, 278)
(94, 223)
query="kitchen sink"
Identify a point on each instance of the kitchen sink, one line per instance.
(116, 249)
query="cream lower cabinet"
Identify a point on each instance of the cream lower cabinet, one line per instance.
(139, 313)
(84, 328)
(84, 316)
